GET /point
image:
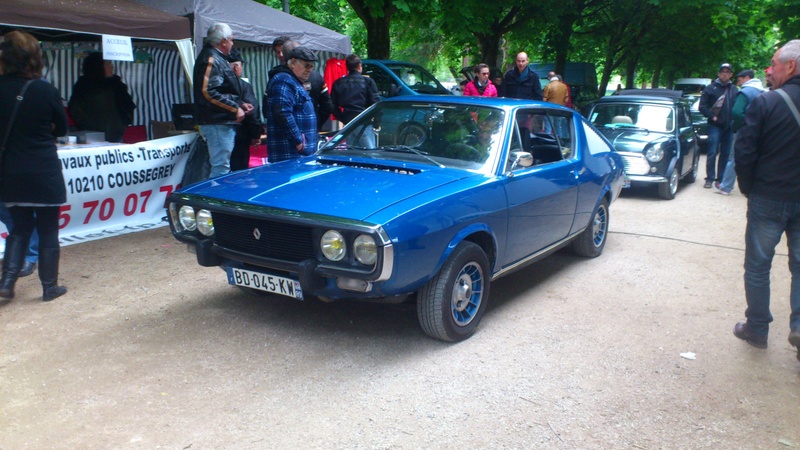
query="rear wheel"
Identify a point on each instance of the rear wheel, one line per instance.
(591, 242)
(667, 190)
(452, 304)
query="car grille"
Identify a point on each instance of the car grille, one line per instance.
(288, 242)
(635, 164)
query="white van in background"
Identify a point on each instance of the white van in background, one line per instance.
(691, 86)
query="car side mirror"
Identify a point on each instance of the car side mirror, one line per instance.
(520, 159)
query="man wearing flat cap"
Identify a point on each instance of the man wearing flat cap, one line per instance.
(716, 103)
(291, 120)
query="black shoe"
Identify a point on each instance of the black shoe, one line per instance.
(794, 339)
(27, 269)
(742, 332)
(708, 185)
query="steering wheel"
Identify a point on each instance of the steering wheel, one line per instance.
(412, 135)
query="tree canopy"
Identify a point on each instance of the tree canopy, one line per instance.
(648, 42)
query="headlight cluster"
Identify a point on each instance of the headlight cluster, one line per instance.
(655, 153)
(191, 220)
(334, 247)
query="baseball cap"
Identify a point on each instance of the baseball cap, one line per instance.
(726, 66)
(302, 53)
(746, 73)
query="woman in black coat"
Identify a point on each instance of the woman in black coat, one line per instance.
(32, 185)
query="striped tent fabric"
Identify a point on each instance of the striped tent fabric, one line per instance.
(155, 80)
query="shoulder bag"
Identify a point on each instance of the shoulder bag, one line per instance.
(790, 104)
(20, 96)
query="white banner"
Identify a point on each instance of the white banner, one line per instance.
(118, 188)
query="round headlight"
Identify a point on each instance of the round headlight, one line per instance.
(205, 224)
(186, 216)
(654, 153)
(333, 245)
(365, 250)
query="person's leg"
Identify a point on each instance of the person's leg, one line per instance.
(765, 225)
(16, 247)
(793, 238)
(711, 161)
(725, 150)
(50, 253)
(726, 186)
(220, 139)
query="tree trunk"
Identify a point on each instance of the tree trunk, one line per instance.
(377, 21)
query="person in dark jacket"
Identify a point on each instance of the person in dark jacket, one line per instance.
(768, 166)
(353, 93)
(251, 129)
(32, 184)
(315, 85)
(219, 107)
(522, 82)
(291, 120)
(716, 103)
(100, 100)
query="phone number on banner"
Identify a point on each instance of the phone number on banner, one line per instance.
(106, 209)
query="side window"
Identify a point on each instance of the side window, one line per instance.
(547, 136)
(516, 146)
(683, 116)
(597, 144)
(386, 87)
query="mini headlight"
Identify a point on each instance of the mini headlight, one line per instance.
(654, 153)
(333, 245)
(205, 224)
(186, 216)
(365, 250)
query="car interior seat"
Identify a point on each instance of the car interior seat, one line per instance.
(622, 119)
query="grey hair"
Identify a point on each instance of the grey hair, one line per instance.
(288, 46)
(790, 51)
(218, 33)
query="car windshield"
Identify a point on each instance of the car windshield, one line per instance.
(689, 88)
(445, 135)
(418, 79)
(655, 118)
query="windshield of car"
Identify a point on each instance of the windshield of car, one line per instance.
(654, 118)
(455, 136)
(418, 79)
(689, 88)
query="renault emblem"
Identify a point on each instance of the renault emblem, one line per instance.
(256, 234)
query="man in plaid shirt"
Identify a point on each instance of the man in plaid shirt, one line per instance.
(291, 120)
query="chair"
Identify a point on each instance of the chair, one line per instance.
(622, 119)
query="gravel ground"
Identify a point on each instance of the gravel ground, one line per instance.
(149, 350)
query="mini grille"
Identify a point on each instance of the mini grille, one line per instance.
(635, 165)
(288, 242)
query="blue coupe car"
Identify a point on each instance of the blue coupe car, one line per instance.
(480, 188)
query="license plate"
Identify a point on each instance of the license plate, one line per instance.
(265, 282)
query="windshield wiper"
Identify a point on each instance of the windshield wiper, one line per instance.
(407, 149)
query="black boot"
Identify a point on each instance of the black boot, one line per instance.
(48, 273)
(13, 260)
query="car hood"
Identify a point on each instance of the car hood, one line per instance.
(347, 190)
(632, 140)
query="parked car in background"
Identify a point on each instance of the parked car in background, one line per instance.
(653, 132)
(395, 78)
(691, 86)
(699, 121)
(488, 187)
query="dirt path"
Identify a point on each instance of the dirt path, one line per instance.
(149, 350)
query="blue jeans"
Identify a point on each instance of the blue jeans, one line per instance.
(717, 137)
(33, 246)
(767, 220)
(220, 139)
(729, 177)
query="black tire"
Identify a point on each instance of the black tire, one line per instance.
(591, 242)
(667, 190)
(452, 304)
(692, 177)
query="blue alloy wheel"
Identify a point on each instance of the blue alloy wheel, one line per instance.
(467, 292)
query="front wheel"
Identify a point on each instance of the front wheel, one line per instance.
(451, 305)
(667, 190)
(591, 242)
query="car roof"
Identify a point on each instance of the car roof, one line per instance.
(474, 100)
(649, 98)
(389, 62)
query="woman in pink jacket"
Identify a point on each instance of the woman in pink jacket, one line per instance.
(481, 86)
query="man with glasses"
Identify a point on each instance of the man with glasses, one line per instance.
(291, 119)
(481, 85)
(219, 107)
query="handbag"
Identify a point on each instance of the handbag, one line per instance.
(20, 97)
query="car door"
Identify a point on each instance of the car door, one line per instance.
(687, 140)
(541, 198)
